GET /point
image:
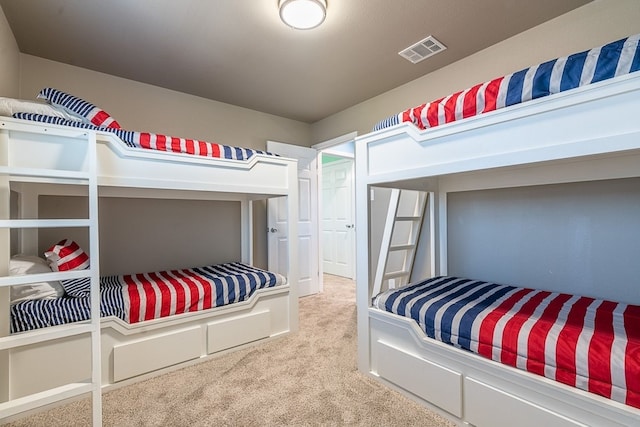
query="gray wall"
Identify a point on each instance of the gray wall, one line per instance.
(143, 107)
(144, 235)
(579, 237)
(9, 60)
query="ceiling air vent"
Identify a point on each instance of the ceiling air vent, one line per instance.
(422, 50)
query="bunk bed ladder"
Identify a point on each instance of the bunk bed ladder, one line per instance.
(19, 170)
(400, 238)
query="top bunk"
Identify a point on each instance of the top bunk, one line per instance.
(53, 137)
(551, 123)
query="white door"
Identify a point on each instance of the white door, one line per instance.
(337, 218)
(308, 241)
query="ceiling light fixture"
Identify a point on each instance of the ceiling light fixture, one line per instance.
(303, 14)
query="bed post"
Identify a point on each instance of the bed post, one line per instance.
(246, 231)
(292, 224)
(441, 226)
(431, 211)
(363, 286)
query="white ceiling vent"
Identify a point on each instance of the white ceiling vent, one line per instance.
(422, 50)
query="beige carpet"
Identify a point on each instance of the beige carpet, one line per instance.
(305, 379)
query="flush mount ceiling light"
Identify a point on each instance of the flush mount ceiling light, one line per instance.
(303, 14)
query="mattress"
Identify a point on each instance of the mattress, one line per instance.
(587, 343)
(558, 75)
(145, 296)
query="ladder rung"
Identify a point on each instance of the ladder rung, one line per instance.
(408, 218)
(43, 277)
(43, 173)
(45, 334)
(402, 247)
(32, 401)
(44, 223)
(395, 274)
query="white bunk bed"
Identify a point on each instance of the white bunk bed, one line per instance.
(590, 133)
(48, 159)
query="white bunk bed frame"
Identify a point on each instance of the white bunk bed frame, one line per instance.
(42, 159)
(590, 133)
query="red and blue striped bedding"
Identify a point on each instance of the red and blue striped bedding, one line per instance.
(587, 343)
(139, 297)
(558, 75)
(153, 141)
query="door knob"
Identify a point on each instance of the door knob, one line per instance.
(272, 230)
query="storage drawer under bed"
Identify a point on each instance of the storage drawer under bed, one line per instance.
(156, 352)
(427, 380)
(170, 348)
(481, 401)
(228, 333)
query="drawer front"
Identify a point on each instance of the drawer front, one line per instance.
(239, 330)
(487, 406)
(434, 383)
(149, 354)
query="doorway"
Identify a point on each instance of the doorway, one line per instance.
(340, 202)
(336, 218)
(337, 205)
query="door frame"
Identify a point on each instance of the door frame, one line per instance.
(341, 146)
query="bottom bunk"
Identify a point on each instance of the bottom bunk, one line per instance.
(497, 355)
(151, 323)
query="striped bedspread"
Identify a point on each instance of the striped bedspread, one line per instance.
(558, 75)
(153, 141)
(583, 342)
(138, 297)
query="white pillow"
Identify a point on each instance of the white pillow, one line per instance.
(8, 106)
(20, 265)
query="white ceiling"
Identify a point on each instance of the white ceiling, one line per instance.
(239, 52)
